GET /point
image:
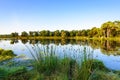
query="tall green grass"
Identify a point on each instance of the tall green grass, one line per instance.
(49, 66)
(13, 73)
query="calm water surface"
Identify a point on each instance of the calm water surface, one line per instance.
(106, 51)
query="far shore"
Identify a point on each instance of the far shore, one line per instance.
(55, 37)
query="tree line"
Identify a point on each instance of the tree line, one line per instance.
(107, 29)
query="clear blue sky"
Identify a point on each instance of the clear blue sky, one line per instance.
(36, 15)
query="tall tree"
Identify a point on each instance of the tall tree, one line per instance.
(107, 29)
(24, 34)
(15, 34)
(57, 33)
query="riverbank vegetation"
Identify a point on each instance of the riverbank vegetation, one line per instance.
(48, 66)
(6, 54)
(107, 30)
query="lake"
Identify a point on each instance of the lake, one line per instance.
(107, 51)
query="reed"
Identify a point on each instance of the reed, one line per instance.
(48, 65)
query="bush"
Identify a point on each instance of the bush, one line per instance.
(7, 53)
(13, 73)
(1, 50)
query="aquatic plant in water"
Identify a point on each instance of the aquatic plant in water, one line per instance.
(6, 54)
(49, 66)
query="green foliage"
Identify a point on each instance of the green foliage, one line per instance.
(102, 75)
(1, 50)
(96, 64)
(94, 32)
(49, 66)
(51, 33)
(109, 29)
(13, 73)
(78, 33)
(57, 33)
(72, 33)
(24, 34)
(15, 34)
(6, 54)
(44, 33)
(3, 73)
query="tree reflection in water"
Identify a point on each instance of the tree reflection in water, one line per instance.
(108, 47)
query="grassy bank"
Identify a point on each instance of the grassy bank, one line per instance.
(48, 66)
(6, 54)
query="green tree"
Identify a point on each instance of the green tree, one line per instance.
(79, 33)
(63, 34)
(47, 32)
(57, 33)
(94, 32)
(15, 34)
(24, 34)
(109, 29)
(84, 33)
(51, 33)
(42, 33)
(35, 33)
(31, 33)
(117, 23)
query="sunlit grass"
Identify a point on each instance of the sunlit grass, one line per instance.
(47, 65)
(6, 54)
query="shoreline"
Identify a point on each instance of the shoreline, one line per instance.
(56, 38)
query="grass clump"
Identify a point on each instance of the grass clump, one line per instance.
(48, 66)
(103, 75)
(6, 54)
(13, 73)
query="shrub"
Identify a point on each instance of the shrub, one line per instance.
(7, 53)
